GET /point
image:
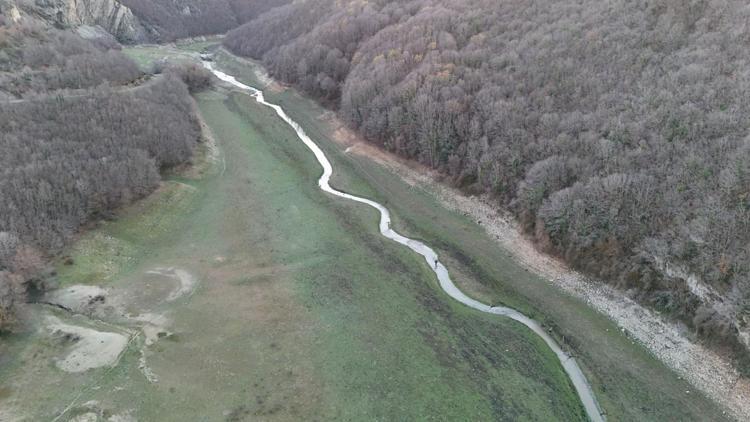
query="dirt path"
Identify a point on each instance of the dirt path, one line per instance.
(712, 374)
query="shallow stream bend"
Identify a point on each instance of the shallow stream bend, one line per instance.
(585, 393)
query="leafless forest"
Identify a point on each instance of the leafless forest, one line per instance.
(616, 131)
(170, 20)
(81, 134)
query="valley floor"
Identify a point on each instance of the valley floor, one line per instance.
(243, 292)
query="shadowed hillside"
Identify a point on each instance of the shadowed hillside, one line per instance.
(135, 21)
(170, 20)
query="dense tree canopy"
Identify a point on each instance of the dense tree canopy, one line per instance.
(33, 61)
(617, 131)
(90, 135)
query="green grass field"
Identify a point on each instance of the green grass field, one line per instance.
(146, 55)
(304, 311)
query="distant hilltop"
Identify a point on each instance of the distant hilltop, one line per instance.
(137, 21)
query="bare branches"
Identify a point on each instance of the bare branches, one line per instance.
(67, 159)
(616, 132)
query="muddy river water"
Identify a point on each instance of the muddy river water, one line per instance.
(577, 378)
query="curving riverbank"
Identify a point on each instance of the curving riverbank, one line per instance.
(569, 364)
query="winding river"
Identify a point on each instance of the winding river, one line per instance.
(582, 387)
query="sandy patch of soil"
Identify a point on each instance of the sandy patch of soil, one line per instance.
(89, 348)
(92, 412)
(122, 418)
(186, 282)
(154, 326)
(86, 417)
(711, 373)
(145, 369)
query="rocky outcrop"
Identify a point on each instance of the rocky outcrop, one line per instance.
(111, 15)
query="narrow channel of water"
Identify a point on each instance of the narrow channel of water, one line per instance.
(585, 393)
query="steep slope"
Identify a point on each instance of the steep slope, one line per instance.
(170, 20)
(134, 21)
(111, 15)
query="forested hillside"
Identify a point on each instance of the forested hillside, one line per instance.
(82, 132)
(616, 131)
(135, 21)
(34, 61)
(170, 20)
